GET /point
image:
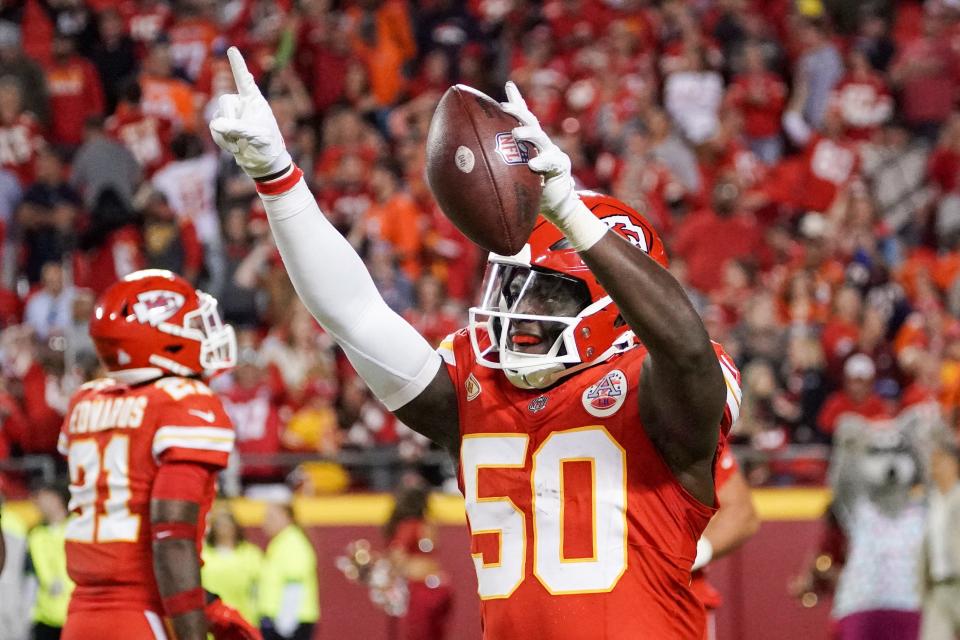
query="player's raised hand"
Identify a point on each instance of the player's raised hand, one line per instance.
(245, 126)
(551, 162)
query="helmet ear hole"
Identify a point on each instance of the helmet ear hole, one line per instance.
(619, 322)
(124, 310)
(173, 348)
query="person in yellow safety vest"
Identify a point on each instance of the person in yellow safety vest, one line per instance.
(231, 565)
(289, 598)
(47, 561)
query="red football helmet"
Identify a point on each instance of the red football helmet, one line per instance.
(154, 322)
(548, 283)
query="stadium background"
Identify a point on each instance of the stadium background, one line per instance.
(801, 159)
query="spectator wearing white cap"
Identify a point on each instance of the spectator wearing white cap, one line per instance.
(857, 395)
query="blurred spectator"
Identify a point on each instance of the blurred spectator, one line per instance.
(47, 563)
(393, 218)
(47, 215)
(169, 242)
(862, 97)
(147, 137)
(46, 390)
(940, 555)
(818, 69)
(760, 95)
(708, 238)
(20, 132)
(249, 250)
(289, 601)
(411, 540)
(80, 352)
(14, 601)
(189, 183)
(393, 285)
(49, 309)
(432, 317)
(164, 94)
(102, 164)
(923, 71)
(856, 397)
(114, 56)
(110, 243)
(192, 36)
(672, 151)
(383, 41)
(299, 353)
(692, 95)
(76, 93)
(253, 401)
(231, 565)
(27, 73)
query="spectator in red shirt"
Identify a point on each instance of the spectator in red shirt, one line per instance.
(707, 239)
(857, 395)
(760, 95)
(147, 137)
(75, 93)
(862, 97)
(20, 137)
(923, 71)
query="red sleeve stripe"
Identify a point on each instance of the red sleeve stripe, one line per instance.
(215, 439)
(184, 602)
(282, 184)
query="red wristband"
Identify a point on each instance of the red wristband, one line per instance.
(173, 530)
(282, 184)
(184, 602)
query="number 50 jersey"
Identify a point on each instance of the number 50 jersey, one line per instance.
(115, 438)
(579, 529)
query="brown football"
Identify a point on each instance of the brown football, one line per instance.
(478, 173)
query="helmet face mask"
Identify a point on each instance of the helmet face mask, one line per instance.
(543, 315)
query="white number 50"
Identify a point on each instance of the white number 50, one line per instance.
(499, 515)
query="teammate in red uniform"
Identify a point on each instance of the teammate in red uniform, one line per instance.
(143, 446)
(585, 401)
(734, 523)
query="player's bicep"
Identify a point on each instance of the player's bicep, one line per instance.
(433, 413)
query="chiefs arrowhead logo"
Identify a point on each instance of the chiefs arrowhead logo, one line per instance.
(606, 397)
(156, 306)
(624, 226)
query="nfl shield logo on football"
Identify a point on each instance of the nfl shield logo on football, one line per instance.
(510, 150)
(606, 397)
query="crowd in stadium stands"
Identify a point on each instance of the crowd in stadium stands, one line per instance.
(802, 160)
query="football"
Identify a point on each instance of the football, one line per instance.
(478, 173)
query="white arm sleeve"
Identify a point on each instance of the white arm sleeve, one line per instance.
(331, 280)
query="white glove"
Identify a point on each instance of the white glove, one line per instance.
(559, 202)
(245, 126)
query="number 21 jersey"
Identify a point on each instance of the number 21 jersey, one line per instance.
(579, 529)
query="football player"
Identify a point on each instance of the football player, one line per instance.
(585, 401)
(734, 523)
(143, 446)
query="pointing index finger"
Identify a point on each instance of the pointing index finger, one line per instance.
(241, 75)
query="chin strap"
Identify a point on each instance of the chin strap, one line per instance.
(542, 376)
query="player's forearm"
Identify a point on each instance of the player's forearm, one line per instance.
(176, 567)
(333, 283)
(655, 307)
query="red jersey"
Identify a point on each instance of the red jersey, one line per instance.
(574, 517)
(115, 438)
(75, 95)
(147, 137)
(865, 104)
(19, 143)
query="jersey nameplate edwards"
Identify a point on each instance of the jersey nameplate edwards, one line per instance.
(606, 397)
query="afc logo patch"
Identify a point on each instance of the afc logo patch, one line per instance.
(511, 151)
(606, 397)
(156, 306)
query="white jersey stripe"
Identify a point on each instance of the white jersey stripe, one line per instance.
(209, 438)
(156, 625)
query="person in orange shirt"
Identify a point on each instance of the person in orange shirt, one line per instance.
(383, 40)
(164, 95)
(393, 218)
